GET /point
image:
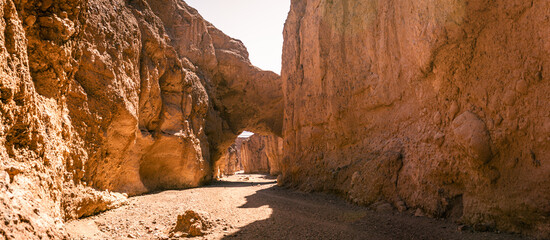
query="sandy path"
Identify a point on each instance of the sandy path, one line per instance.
(252, 207)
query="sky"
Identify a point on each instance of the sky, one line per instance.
(257, 23)
(246, 134)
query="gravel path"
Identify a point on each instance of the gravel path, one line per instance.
(253, 207)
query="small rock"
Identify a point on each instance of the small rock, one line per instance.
(453, 110)
(384, 207)
(280, 180)
(419, 213)
(46, 4)
(30, 20)
(176, 234)
(164, 237)
(191, 224)
(471, 133)
(401, 207)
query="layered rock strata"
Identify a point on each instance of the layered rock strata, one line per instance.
(440, 106)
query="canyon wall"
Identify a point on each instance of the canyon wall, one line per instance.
(230, 162)
(101, 99)
(40, 152)
(160, 92)
(261, 154)
(254, 154)
(441, 106)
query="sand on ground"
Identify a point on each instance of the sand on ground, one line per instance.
(252, 206)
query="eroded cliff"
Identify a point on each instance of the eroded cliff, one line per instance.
(169, 91)
(433, 105)
(106, 96)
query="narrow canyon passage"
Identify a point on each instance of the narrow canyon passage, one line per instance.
(252, 206)
(436, 108)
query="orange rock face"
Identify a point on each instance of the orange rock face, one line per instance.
(255, 154)
(118, 96)
(41, 156)
(170, 102)
(261, 154)
(229, 163)
(436, 105)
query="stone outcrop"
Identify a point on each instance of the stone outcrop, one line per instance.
(40, 153)
(434, 105)
(104, 96)
(191, 224)
(261, 154)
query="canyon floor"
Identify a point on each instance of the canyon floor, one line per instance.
(253, 207)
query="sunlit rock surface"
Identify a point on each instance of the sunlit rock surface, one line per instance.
(104, 98)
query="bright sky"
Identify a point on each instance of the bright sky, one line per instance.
(257, 23)
(246, 134)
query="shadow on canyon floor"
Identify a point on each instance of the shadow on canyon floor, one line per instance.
(298, 215)
(252, 206)
(219, 184)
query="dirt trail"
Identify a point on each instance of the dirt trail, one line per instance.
(253, 207)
